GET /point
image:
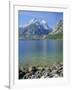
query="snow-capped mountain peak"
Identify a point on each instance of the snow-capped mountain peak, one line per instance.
(35, 27)
(34, 20)
(44, 24)
(37, 22)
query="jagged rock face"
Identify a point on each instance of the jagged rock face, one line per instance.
(39, 29)
(35, 29)
(57, 32)
(58, 28)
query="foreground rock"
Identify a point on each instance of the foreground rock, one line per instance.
(34, 72)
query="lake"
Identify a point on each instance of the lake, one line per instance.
(38, 51)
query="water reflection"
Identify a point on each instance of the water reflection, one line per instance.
(52, 49)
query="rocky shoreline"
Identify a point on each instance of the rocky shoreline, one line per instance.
(36, 72)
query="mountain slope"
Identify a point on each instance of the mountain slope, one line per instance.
(35, 29)
(57, 32)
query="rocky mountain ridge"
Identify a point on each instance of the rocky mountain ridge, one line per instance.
(39, 29)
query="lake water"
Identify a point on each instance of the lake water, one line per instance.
(35, 51)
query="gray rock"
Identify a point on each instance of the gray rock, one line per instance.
(26, 76)
(56, 76)
(60, 72)
(38, 74)
(40, 68)
(33, 76)
(46, 74)
(30, 69)
(42, 77)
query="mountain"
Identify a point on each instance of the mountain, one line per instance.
(34, 29)
(57, 32)
(39, 29)
(58, 28)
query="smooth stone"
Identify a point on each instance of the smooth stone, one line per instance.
(33, 76)
(38, 74)
(40, 68)
(55, 76)
(26, 76)
(54, 67)
(46, 74)
(30, 69)
(43, 72)
(53, 73)
(42, 77)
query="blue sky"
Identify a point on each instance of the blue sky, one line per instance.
(50, 17)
